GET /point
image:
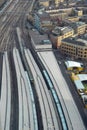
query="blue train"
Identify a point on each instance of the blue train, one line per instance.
(56, 100)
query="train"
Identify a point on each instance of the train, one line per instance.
(56, 100)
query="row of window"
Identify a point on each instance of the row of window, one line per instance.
(67, 34)
(68, 53)
(72, 53)
(68, 46)
(73, 49)
(69, 49)
(82, 56)
(82, 52)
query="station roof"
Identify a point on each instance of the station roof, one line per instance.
(70, 64)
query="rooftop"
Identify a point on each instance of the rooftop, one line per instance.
(43, 14)
(70, 64)
(82, 77)
(77, 24)
(76, 41)
(61, 30)
(43, 1)
(84, 17)
(37, 37)
(78, 84)
(40, 41)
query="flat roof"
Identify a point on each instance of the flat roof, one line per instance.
(70, 64)
(43, 14)
(77, 24)
(43, 1)
(37, 37)
(63, 30)
(78, 84)
(40, 41)
(76, 41)
(82, 77)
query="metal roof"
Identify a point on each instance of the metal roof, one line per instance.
(43, 1)
(78, 84)
(83, 41)
(37, 37)
(76, 41)
(82, 77)
(70, 64)
(61, 30)
(77, 24)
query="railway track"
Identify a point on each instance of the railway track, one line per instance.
(14, 95)
(11, 20)
(26, 115)
(64, 95)
(49, 116)
(58, 92)
(5, 103)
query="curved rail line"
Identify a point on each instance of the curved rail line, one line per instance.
(69, 117)
(41, 66)
(50, 120)
(33, 103)
(43, 110)
(26, 119)
(6, 94)
(30, 82)
(57, 101)
(12, 20)
(53, 87)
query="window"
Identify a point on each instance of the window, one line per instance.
(84, 55)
